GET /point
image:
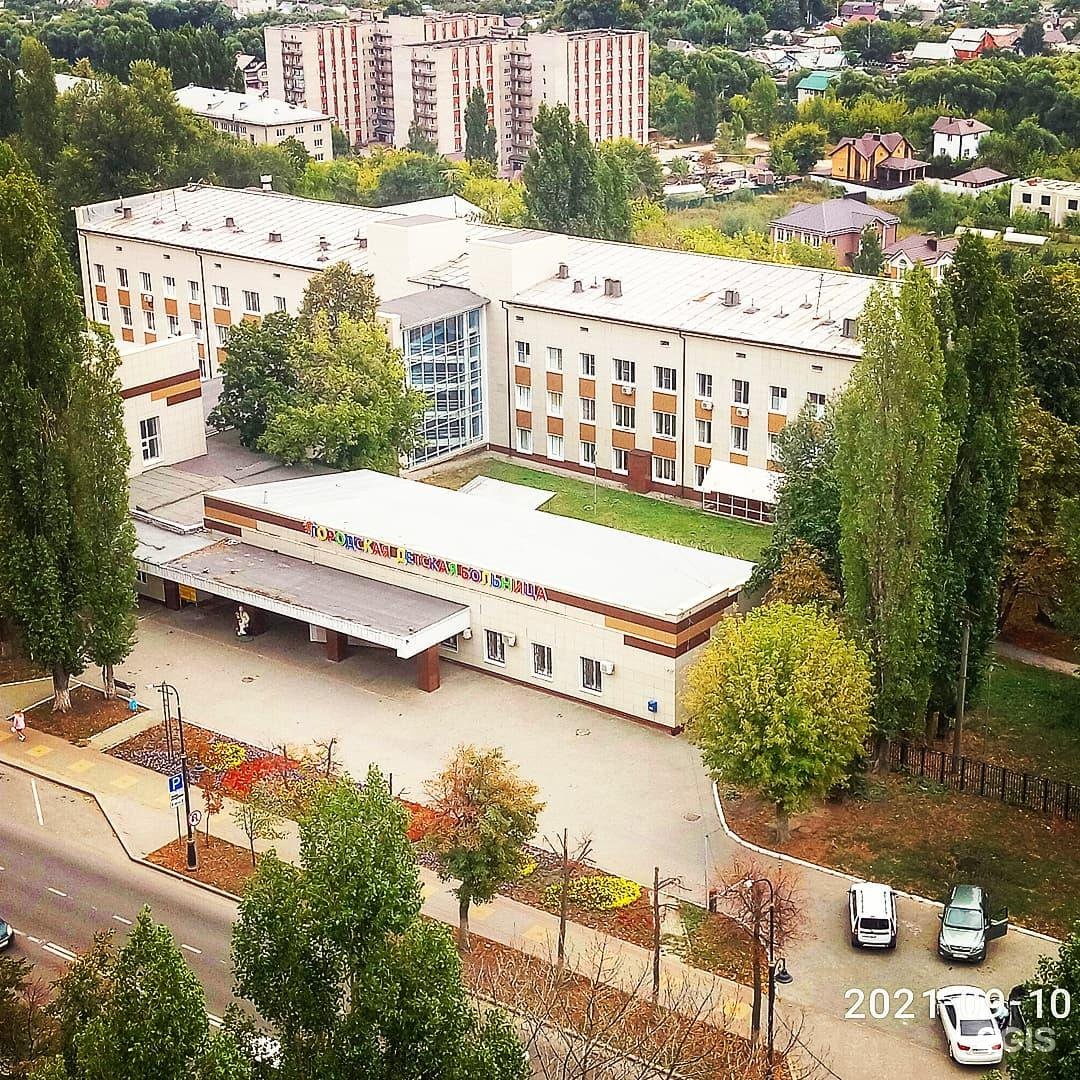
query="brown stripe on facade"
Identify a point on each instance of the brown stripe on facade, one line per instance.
(221, 526)
(295, 524)
(159, 384)
(187, 395)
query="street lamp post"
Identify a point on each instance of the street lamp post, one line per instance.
(168, 691)
(778, 972)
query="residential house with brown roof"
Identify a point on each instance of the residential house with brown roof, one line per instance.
(877, 160)
(970, 42)
(957, 137)
(836, 223)
(933, 252)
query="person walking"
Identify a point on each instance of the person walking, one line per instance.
(18, 725)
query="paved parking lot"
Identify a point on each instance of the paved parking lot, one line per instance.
(642, 795)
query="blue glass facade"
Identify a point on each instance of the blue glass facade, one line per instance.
(443, 359)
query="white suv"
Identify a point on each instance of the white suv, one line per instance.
(872, 913)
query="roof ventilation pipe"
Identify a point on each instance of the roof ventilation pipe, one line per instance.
(563, 272)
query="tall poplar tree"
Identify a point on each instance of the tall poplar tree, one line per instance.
(983, 358)
(896, 451)
(41, 331)
(481, 139)
(38, 111)
(101, 456)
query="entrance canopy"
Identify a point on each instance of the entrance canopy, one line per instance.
(373, 611)
(725, 478)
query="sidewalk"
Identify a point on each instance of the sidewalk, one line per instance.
(1035, 659)
(136, 803)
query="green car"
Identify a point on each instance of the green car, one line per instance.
(967, 925)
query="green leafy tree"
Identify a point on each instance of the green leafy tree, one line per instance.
(613, 185)
(485, 814)
(101, 456)
(296, 152)
(9, 104)
(337, 292)
(870, 259)
(340, 142)
(419, 140)
(801, 579)
(258, 816)
(26, 1032)
(351, 408)
(1048, 321)
(984, 362)
(334, 954)
(258, 375)
(764, 104)
(140, 1013)
(779, 702)
(36, 91)
(410, 176)
(896, 452)
(41, 326)
(481, 138)
(706, 109)
(1033, 39)
(804, 143)
(641, 165)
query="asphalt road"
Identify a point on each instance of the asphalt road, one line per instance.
(63, 877)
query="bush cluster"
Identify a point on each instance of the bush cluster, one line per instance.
(595, 892)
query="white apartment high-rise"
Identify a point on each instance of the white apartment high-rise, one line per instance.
(379, 76)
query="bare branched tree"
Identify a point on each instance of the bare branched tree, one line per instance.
(570, 860)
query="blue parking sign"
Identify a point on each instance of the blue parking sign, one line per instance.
(176, 783)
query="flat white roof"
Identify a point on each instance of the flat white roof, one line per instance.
(653, 577)
(249, 108)
(746, 481)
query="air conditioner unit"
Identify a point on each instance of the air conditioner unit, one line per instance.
(148, 299)
(706, 404)
(742, 412)
(607, 667)
(467, 633)
(510, 640)
(627, 389)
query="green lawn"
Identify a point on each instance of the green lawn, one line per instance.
(623, 509)
(1028, 717)
(749, 215)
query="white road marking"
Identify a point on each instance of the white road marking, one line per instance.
(216, 1021)
(192, 949)
(37, 802)
(17, 933)
(120, 918)
(58, 950)
(35, 940)
(57, 892)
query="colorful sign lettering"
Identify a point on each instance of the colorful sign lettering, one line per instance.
(363, 545)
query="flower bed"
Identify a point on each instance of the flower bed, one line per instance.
(91, 713)
(149, 749)
(594, 892)
(237, 782)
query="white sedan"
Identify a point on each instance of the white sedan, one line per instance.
(970, 1028)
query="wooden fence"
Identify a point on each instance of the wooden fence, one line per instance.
(1056, 798)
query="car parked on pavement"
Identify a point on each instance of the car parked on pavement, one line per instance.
(967, 925)
(7, 935)
(872, 915)
(971, 1031)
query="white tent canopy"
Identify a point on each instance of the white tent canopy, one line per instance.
(744, 481)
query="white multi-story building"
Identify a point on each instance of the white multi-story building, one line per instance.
(639, 365)
(263, 121)
(380, 76)
(1057, 199)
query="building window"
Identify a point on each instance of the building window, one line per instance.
(150, 437)
(704, 385)
(451, 644)
(251, 301)
(494, 647)
(144, 278)
(588, 453)
(279, 303)
(99, 273)
(523, 396)
(817, 402)
(554, 358)
(740, 439)
(588, 409)
(703, 436)
(774, 446)
(151, 321)
(622, 416)
(663, 469)
(554, 403)
(699, 475)
(664, 425)
(223, 335)
(665, 378)
(625, 370)
(193, 290)
(588, 365)
(174, 326)
(169, 284)
(619, 461)
(196, 328)
(778, 399)
(555, 447)
(122, 277)
(125, 315)
(221, 295)
(103, 313)
(140, 577)
(524, 440)
(740, 391)
(542, 660)
(522, 352)
(592, 678)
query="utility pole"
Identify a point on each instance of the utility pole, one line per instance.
(167, 691)
(961, 689)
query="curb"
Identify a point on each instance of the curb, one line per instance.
(840, 874)
(78, 789)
